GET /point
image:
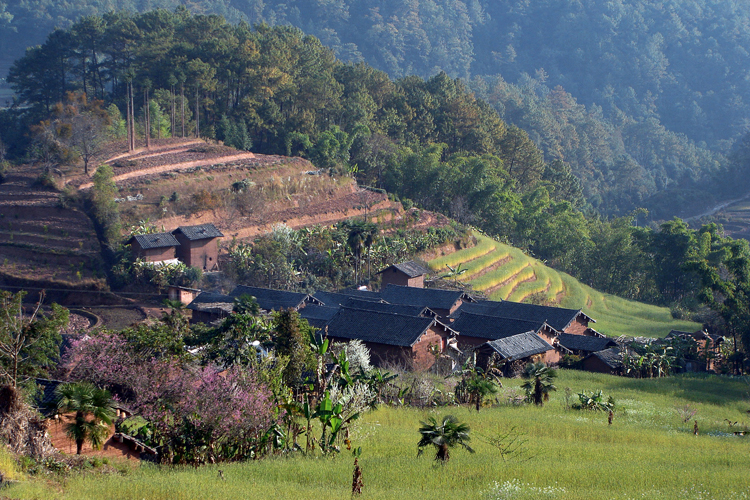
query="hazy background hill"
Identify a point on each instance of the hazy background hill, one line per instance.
(643, 99)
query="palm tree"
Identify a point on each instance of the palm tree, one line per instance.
(479, 387)
(443, 436)
(538, 385)
(93, 412)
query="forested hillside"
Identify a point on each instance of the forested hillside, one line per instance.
(643, 99)
(429, 142)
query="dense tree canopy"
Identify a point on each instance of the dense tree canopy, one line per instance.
(641, 98)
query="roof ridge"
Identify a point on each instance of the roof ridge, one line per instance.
(384, 312)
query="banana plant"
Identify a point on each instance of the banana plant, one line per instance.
(329, 413)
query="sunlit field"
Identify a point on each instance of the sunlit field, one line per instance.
(506, 273)
(648, 452)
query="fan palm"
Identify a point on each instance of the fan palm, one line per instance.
(443, 436)
(479, 388)
(538, 385)
(93, 413)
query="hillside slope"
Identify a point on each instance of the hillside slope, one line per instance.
(183, 182)
(43, 241)
(506, 273)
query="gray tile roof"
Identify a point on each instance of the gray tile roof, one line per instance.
(585, 342)
(155, 240)
(411, 269)
(382, 306)
(318, 316)
(340, 298)
(518, 346)
(557, 317)
(492, 327)
(434, 298)
(612, 357)
(273, 300)
(697, 335)
(212, 302)
(200, 232)
(378, 327)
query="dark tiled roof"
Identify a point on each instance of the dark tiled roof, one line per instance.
(318, 316)
(340, 298)
(519, 346)
(698, 335)
(156, 240)
(200, 232)
(212, 302)
(46, 397)
(483, 307)
(378, 327)
(273, 300)
(492, 327)
(557, 317)
(584, 342)
(382, 306)
(612, 357)
(411, 269)
(434, 298)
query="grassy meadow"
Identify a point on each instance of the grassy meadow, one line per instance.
(648, 452)
(506, 273)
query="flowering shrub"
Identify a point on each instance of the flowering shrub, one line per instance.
(195, 415)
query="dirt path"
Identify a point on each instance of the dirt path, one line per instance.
(716, 208)
(175, 166)
(155, 148)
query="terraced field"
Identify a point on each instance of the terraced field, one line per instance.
(506, 273)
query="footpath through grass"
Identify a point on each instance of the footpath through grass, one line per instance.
(519, 276)
(649, 452)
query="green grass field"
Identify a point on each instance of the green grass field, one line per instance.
(520, 276)
(648, 452)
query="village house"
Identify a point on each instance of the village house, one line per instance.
(583, 345)
(116, 444)
(275, 300)
(199, 246)
(156, 247)
(707, 346)
(475, 330)
(318, 316)
(512, 353)
(182, 294)
(394, 338)
(573, 321)
(208, 307)
(383, 306)
(442, 302)
(335, 299)
(606, 361)
(404, 274)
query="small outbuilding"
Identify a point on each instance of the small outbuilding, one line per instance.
(155, 247)
(606, 361)
(512, 353)
(182, 294)
(404, 274)
(199, 246)
(208, 307)
(583, 345)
